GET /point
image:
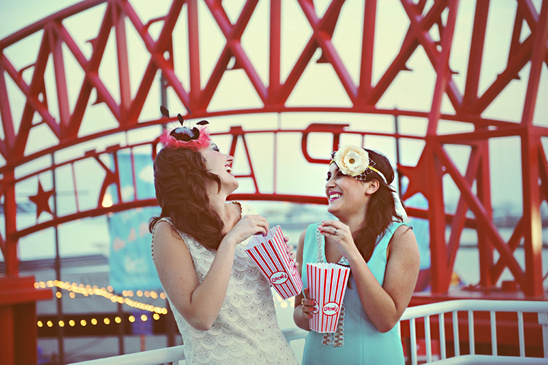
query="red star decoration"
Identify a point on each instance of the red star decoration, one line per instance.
(41, 199)
(418, 175)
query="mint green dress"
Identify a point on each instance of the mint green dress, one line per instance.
(357, 340)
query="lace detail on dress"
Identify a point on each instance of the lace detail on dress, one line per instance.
(335, 339)
(246, 330)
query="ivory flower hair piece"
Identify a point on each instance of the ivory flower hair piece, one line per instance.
(195, 138)
(354, 161)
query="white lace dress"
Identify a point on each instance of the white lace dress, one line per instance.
(246, 330)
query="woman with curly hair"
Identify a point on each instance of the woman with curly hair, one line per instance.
(222, 304)
(368, 236)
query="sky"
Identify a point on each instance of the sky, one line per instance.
(413, 90)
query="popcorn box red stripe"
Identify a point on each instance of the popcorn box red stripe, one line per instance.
(310, 274)
(270, 255)
(280, 280)
(276, 271)
(327, 285)
(285, 286)
(265, 264)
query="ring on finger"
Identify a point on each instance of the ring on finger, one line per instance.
(335, 231)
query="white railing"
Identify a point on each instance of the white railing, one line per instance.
(412, 314)
(440, 309)
(173, 354)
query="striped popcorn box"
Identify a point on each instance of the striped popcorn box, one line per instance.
(326, 285)
(270, 254)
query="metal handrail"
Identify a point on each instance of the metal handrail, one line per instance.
(169, 354)
(411, 314)
(469, 306)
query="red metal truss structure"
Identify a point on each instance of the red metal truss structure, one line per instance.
(431, 30)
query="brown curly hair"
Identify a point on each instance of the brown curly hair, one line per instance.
(180, 177)
(381, 210)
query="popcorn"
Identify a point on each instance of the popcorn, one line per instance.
(327, 286)
(270, 254)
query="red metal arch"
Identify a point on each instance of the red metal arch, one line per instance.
(431, 29)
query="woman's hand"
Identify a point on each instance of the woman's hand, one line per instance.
(301, 319)
(340, 234)
(309, 306)
(246, 227)
(291, 253)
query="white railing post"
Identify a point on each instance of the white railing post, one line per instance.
(543, 321)
(442, 336)
(413, 335)
(456, 340)
(521, 332)
(471, 337)
(494, 348)
(428, 339)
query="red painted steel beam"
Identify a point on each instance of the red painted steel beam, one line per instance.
(483, 217)
(437, 58)
(39, 25)
(516, 62)
(123, 63)
(297, 70)
(315, 41)
(10, 222)
(483, 188)
(459, 219)
(6, 145)
(443, 72)
(322, 36)
(56, 46)
(157, 60)
(408, 47)
(440, 273)
(194, 52)
(233, 48)
(368, 43)
(527, 10)
(543, 172)
(31, 92)
(476, 54)
(512, 244)
(274, 51)
(530, 145)
(91, 69)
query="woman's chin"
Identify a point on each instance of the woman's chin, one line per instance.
(331, 208)
(233, 185)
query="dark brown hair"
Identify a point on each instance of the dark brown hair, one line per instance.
(180, 177)
(381, 210)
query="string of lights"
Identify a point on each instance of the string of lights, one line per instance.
(125, 298)
(107, 293)
(94, 321)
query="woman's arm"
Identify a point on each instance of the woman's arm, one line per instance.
(199, 303)
(385, 304)
(301, 314)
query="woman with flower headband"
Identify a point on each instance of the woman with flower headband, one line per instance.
(222, 304)
(370, 237)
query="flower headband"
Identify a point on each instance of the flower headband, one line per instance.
(195, 138)
(354, 161)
